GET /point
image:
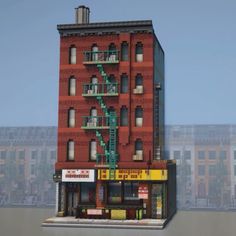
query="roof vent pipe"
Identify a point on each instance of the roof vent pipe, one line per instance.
(82, 15)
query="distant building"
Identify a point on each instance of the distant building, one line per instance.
(27, 157)
(205, 165)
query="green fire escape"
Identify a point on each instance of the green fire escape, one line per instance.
(107, 88)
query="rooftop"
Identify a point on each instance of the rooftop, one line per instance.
(116, 27)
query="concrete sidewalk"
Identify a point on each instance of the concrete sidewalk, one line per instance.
(104, 223)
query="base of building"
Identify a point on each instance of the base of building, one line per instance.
(72, 222)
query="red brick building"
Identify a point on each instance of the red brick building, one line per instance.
(111, 122)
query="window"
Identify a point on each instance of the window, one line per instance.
(176, 155)
(212, 155)
(71, 117)
(71, 150)
(139, 52)
(34, 155)
(72, 86)
(235, 170)
(223, 155)
(201, 190)
(95, 52)
(187, 155)
(114, 192)
(138, 146)
(33, 170)
(21, 169)
(138, 80)
(234, 154)
(112, 52)
(124, 51)
(212, 170)
(138, 116)
(3, 155)
(93, 150)
(201, 170)
(94, 118)
(13, 155)
(131, 191)
(22, 155)
(87, 193)
(124, 116)
(201, 155)
(124, 83)
(72, 53)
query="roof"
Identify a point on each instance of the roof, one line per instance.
(116, 27)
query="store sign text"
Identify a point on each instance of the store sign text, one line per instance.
(77, 175)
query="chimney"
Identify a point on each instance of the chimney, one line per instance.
(82, 15)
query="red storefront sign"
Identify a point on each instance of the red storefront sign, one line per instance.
(143, 191)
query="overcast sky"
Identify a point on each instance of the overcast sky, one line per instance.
(198, 37)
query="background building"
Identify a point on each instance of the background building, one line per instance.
(27, 157)
(14, 142)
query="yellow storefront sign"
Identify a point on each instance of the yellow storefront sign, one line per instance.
(134, 174)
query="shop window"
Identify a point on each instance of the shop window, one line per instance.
(87, 193)
(124, 83)
(72, 86)
(70, 150)
(71, 117)
(130, 191)
(114, 193)
(124, 51)
(138, 116)
(139, 52)
(124, 116)
(93, 150)
(72, 55)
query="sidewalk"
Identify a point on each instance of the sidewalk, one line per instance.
(72, 222)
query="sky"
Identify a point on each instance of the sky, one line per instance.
(198, 37)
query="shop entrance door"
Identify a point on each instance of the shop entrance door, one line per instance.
(157, 201)
(72, 201)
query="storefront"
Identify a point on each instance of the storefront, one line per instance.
(134, 194)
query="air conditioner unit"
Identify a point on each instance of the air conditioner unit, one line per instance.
(137, 157)
(138, 89)
(139, 122)
(90, 91)
(139, 57)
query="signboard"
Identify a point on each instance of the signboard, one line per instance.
(134, 174)
(143, 191)
(94, 212)
(77, 175)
